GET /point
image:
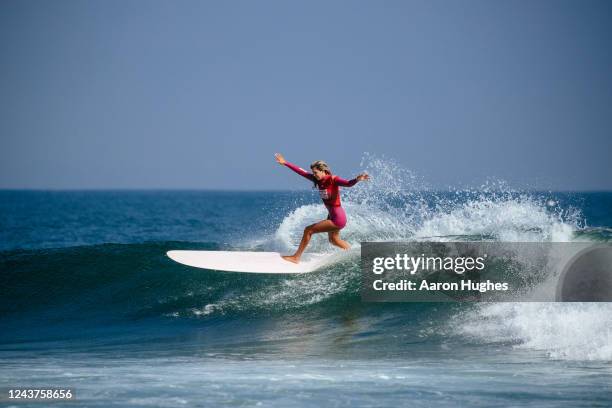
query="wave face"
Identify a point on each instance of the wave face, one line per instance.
(75, 260)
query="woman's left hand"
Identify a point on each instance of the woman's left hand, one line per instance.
(279, 158)
(363, 176)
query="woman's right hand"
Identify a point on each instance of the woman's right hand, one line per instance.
(280, 159)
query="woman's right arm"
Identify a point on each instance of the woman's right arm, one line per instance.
(300, 171)
(281, 160)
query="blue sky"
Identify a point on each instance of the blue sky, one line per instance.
(201, 94)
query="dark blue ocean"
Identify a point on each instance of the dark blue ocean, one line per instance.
(90, 301)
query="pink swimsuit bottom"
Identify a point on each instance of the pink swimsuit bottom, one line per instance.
(337, 216)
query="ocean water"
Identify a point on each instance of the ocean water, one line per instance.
(90, 301)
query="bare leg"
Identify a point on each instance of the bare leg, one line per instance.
(334, 238)
(321, 226)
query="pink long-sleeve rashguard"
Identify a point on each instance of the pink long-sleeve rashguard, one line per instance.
(329, 192)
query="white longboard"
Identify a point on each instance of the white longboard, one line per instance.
(252, 262)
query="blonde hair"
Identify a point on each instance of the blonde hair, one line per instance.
(321, 166)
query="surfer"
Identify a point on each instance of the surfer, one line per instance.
(329, 191)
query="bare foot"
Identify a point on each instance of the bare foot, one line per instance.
(291, 258)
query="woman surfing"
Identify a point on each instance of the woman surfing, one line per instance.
(329, 190)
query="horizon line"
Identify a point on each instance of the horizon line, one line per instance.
(200, 189)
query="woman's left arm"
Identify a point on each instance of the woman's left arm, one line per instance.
(350, 183)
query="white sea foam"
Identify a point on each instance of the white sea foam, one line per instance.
(509, 220)
(567, 331)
